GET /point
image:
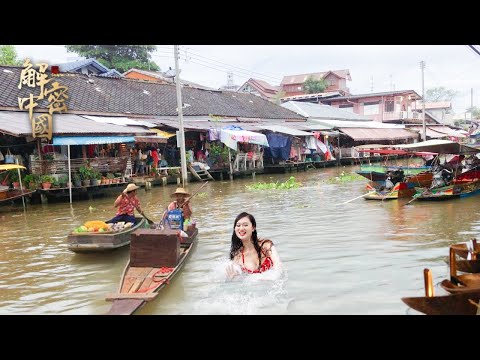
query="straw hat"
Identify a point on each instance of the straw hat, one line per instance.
(180, 191)
(130, 187)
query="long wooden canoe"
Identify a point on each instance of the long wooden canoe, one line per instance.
(100, 242)
(455, 304)
(150, 268)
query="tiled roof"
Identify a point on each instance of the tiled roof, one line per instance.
(264, 88)
(111, 96)
(300, 79)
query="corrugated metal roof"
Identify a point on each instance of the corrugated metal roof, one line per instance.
(285, 130)
(124, 121)
(17, 123)
(77, 65)
(440, 146)
(438, 131)
(358, 124)
(384, 93)
(378, 134)
(319, 111)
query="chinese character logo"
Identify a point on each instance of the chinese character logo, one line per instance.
(56, 94)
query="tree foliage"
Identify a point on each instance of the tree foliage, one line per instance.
(312, 86)
(475, 111)
(8, 56)
(119, 57)
(440, 94)
(276, 98)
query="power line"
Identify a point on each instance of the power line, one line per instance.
(474, 49)
(225, 69)
(276, 76)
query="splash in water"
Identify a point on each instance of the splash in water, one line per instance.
(246, 294)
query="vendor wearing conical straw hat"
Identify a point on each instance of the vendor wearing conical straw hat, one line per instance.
(181, 202)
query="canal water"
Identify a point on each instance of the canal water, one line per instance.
(358, 257)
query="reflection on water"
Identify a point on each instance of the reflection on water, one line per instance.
(354, 258)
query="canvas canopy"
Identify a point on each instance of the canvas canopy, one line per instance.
(440, 146)
(231, 138)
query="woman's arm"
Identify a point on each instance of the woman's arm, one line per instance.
(277, 264)
(118, 200)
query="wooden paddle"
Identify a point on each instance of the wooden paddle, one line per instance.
(415, 197)
(195, 193)
(358, 197)
(136, 207)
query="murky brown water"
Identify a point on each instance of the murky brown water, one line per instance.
(355, 258)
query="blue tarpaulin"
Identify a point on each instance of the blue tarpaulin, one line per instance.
(280, 146)
(88, 140)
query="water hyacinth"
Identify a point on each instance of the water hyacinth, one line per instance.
(343, 177)
(289, 184)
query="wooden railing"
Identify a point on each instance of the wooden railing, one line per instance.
(401, 115)
(104, 165)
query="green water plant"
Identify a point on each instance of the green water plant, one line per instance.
(345, 177)
(289, 184)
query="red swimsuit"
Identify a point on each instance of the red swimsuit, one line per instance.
(266, 265)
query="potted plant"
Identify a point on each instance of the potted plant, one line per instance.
(85, 174)
(110, 177)
(47, 181)
(14, 179)
(95, 176)
(77, 181)
(30, 181)
(63, 180)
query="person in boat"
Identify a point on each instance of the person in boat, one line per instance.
(248, 253)
(181, 202)
(126, 202)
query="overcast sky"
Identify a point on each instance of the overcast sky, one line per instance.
(391, 67)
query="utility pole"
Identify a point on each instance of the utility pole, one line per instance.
(371, 84)
(471, 105)
(422, 66)
(181, 132)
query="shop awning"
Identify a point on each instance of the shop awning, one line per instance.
(151, 139)
(163, 133)
(89, 140)
(371, 134)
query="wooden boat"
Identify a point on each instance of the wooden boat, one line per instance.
(457, 303)
(447, 183)
(402, 189)
(156, 256)
(470, 279)
(456, 190)
(99, 242)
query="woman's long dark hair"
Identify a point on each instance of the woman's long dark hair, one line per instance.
(237, 243)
